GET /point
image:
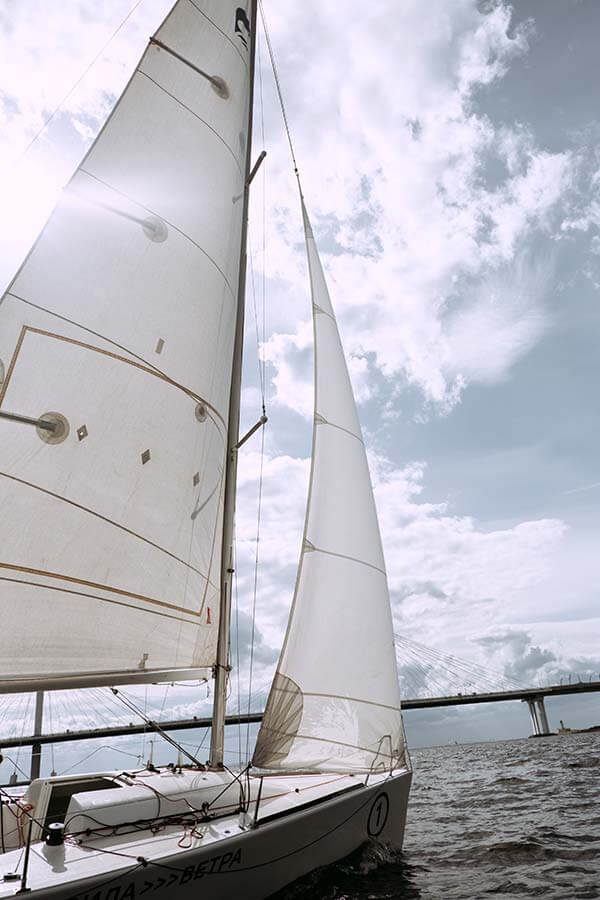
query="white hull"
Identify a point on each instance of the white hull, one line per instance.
(315, 821)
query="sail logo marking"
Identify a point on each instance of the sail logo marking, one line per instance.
(242, 25)
(378, 815)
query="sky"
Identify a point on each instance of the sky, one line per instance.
(448, 158)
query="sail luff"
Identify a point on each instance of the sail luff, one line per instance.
(313, 440)
(217, 739)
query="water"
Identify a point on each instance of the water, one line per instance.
(509, 819)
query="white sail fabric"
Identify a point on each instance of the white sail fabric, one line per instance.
(335, 701)
(121, 321)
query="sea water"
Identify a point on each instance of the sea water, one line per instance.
(491, 820)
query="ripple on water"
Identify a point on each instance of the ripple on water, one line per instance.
(512, 819)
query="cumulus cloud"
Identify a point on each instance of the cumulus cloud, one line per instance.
(418, 235)
(451, 580)
(531, 663)
(479, 576)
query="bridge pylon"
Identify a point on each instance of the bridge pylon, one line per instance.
(539, 719)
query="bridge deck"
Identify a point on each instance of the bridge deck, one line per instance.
(205, 722)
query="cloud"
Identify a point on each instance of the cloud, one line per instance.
(531, 663)
(526, 661)
(425, 220)
(248, 641)
(451, 580)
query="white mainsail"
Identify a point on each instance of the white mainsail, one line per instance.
(119, 329)
(335, 700)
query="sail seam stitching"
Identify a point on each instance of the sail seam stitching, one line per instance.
(355, 559)
(323, 312)
(146, 366)
(339, 697)
(13, 361)
(103, 587)
(64, 590)
(323, 421)
(327, 740)
(124, 528)
(220, 30)
(191, 111)
(168, 222)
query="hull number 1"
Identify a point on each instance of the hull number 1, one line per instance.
(378, 815)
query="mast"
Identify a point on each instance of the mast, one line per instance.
(222, 667)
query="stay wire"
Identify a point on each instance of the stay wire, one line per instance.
(130, 705)
(255, 591)
(254, 306)
(78, 82)
(237, 647)
(277, 83)
(262, 361)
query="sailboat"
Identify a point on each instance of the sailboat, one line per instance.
(121, 346)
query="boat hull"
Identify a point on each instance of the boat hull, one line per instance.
(259, 861)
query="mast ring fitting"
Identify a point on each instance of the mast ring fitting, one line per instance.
(201, 412)
(61, 428)
(219, 87)
(155, 229)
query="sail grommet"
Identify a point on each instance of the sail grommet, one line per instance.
(219, 87)
(61, 428)
(155, 229)
(201, 412)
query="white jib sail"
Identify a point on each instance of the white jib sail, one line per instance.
(119, 328)
(335, 701)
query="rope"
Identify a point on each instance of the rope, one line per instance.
(78, 82)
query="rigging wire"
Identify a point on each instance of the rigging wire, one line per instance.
(51, 721)
(277, 83)
(262, 378)
(237, 645)
(78, 82)
(94, 752)
(445, 674)
(24, 725)
(256, 561)
(258, 354)
(133, 708)
(262, 362)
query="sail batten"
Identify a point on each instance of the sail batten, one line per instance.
(335, 702)
(121, 323)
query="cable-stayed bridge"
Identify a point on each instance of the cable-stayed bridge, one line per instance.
(428, 679)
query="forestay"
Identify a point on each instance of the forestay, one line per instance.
(119, 328)
(335, 701)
